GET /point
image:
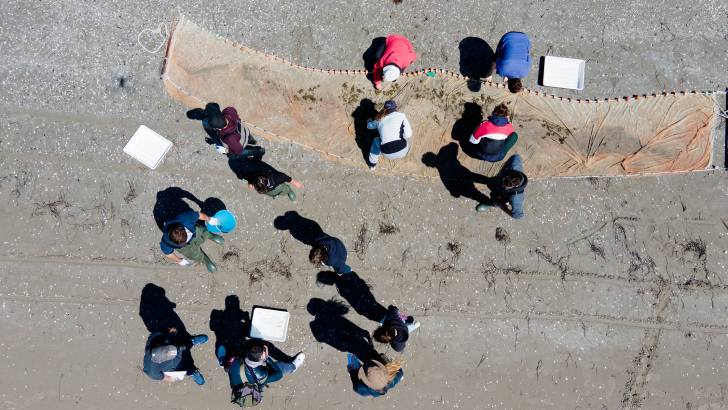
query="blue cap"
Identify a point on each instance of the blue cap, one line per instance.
(390, 104)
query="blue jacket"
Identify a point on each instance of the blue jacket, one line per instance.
(510, 195)
(512, 55)
(188, 220)
(268, 369)
(337, 251)
(364, 390)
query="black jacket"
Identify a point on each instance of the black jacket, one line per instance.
(392, 319)
(337, 251)
(156, 371)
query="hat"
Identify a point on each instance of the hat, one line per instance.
(390, 104)
(374, 375)
(217, 122)
(164, 353)
(391, 72)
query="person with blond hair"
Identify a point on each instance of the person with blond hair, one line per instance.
(376, 377)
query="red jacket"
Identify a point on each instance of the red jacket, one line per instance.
(233, 136)
(398, 50)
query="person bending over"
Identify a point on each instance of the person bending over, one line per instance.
(512, 60)
(392, 58)
(494, 137)
(394, 130)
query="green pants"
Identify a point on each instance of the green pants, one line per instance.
(193, 250)
(282, 189)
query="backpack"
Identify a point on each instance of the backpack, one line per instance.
(239, 130)
(247, 394)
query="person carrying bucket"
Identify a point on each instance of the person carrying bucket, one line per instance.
(392, 58)
(185, 235)
(394, 129)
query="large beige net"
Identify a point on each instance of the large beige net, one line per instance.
(327, 113)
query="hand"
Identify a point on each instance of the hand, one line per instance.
(296, 184)
(183, 262)
(378, 86)
(214, 221)
(172, 330)
(489, 78)
(505, 79)
(221, 149)
(169, 379)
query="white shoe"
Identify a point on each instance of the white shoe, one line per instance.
(415, 326)
(298, 361)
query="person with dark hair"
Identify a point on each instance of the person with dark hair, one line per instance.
(495, 137)
(256, 365)
(512, 60)
(395, 329)
(167, 356)
(232, 132)
(508, 190)
(329, 251)
(185, 235)
(375, 377)
(393, 57)
(273, 184)
(394, 129)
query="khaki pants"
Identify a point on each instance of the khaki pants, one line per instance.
(193, 250)
(282, 189)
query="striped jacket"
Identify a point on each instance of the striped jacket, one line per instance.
(491, 135)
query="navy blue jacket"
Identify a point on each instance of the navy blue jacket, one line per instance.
(510, 195)
(156, 371)
(188, 220)
(337, 251)
(392, 319)
(238, 367)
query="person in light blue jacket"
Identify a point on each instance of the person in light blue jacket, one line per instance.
(508, 190)
(394, 130)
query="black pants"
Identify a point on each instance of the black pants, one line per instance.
(248, 152)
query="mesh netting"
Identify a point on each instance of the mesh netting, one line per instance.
(327, 113)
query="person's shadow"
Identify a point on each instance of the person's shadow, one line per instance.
(171, 203)
(331, 327)
(363, 136)
(231, 326)
(199, 114)
(242, 167)
(465, 126)
(370, 54)
(356, 292)
(301, 229)
(457, 179)
(476, 57)
(157, 311)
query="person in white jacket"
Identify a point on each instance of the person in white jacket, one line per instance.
(394, 129)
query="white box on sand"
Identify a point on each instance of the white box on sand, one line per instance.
(269, 324)
(147, 147)
(563, 72)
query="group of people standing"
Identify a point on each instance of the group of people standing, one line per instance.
(167, 353)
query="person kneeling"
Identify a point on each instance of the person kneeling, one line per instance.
(494, 137)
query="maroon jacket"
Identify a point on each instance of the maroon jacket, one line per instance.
(230, 134)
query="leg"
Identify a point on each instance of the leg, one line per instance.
(193, 250)
(412, 326)
(249, 152)
(287, 190)
(285, 367)
(510, 142)
(375, 150)
(276, 191)
(202, 231)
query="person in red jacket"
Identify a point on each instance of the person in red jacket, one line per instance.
(494, 137)
(235, 135)
(392, 58)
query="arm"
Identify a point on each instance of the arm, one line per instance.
(516, 202)
(173, 257)
(489, 76)
(153, 374)
(203, 217)
(377, 72)
(274, 374)
(296, 183)
(234, 146)
(278, 178)
(407, 128)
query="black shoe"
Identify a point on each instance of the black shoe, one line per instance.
(410, 319)
(259, 156)
(252, 140)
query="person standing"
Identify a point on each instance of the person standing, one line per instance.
(508, 190)
(167, 356)
(235, 135)
(394, 130)
(186, 236)
(512, 60)
(329, 251)
(375, 378)
(395, 329)
(273, 184)
(494, 137)
(257, 367)
(393, 57)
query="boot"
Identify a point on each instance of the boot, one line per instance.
(292, 196)
(210, 266)
(483, 207)
(217, 239)
(275, 197)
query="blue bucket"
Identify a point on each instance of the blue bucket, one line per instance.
(227, 222)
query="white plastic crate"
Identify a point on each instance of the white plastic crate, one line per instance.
(563, 72)
(269, 324)
(147, 147)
